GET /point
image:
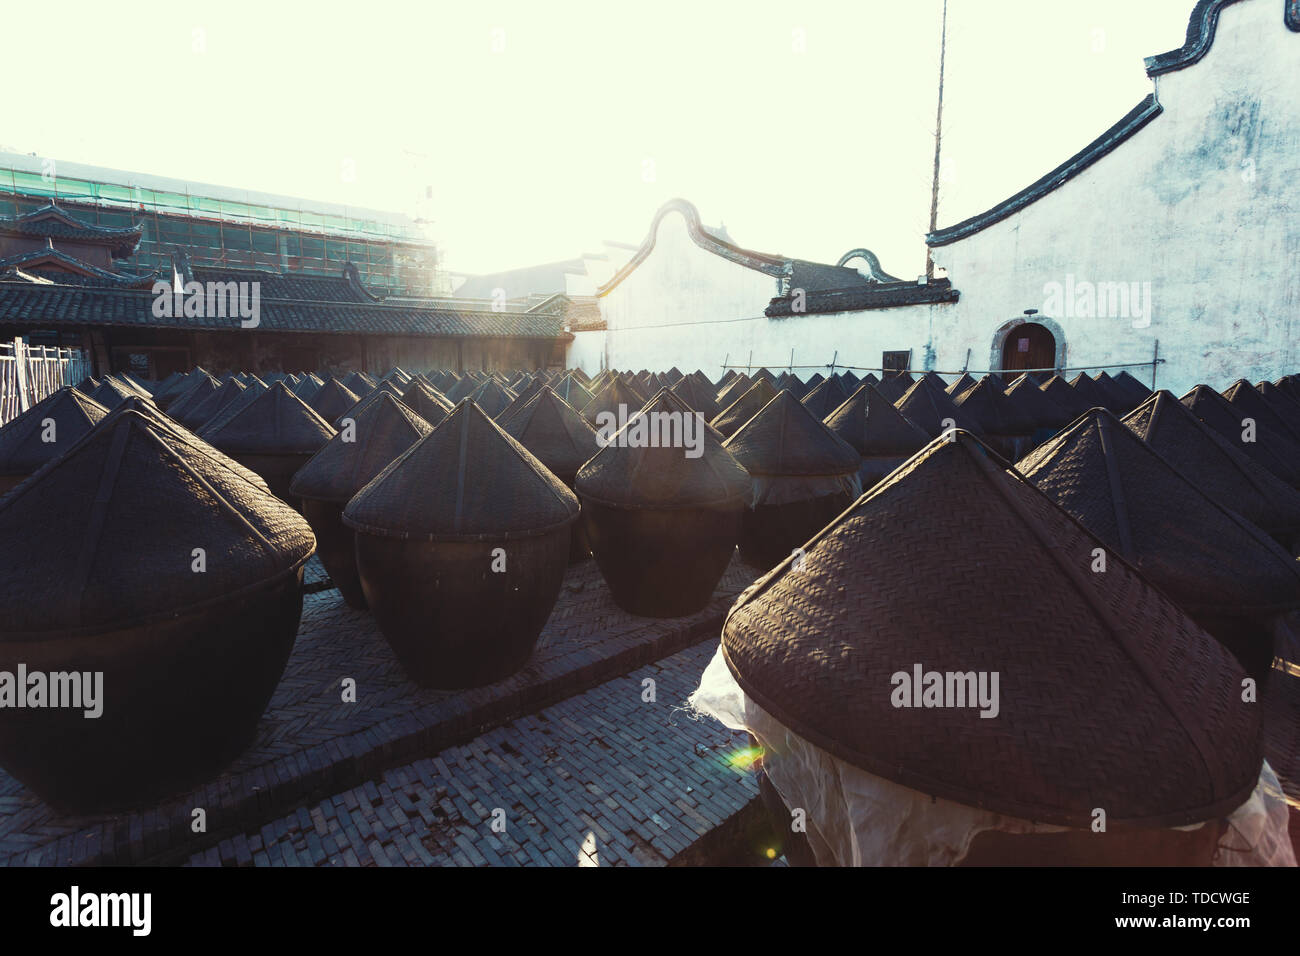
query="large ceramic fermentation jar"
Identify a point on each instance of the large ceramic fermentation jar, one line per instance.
(493, 397)
(381, 431)
(45, 431)
(825, 398)
(931, 409)
(1221, 471)
(663, 522)
(1002, 422)
(562, 441)
(1271, 447)
(199, 413)
(333, 399)
(745, 406)
(462, 544)
(274, 435)
(172, 577)
(987, 727)
(801, 474)
(427, 402)
(1226, 573)
(881, 434)
(617, 399)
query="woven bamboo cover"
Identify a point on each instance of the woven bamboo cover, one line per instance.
(1278, 454)
(928, 408)
(427, 402)
(23, 447)
(195, 389)
(200, 412)
(1268, 423)
(699, 396)
(307, 388)
(492, 397)
(249, 395)
(987, 405)
(1109, 696)
(663, 477)
(382, 431)
(105, 534)
(745, 407)
(1137, 391)
(618, 394)
(1280, 402)
(554, 432)
(165, 423)
(826, 397)
(956, 388)
(332, 399)
(465, 480)
(1223, 472)
(359, 383)
(736, 386)
(874, 427)
(1203, 556)
(1034, 405)
(1090, 391)
(1063, 394)
(573, 391)
(787, 438)
(275, 422)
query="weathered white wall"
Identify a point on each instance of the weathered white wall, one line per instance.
(673, 309)
(586, 351)
(1203, 203)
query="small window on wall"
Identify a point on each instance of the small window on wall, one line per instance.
(895, 362)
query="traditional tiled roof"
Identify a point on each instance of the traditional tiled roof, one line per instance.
(281, 285)
(877, 295)
(51, 222)
(50, 266)
(1136, 119)
(792, 273)
(1200, 36)
(53, 306)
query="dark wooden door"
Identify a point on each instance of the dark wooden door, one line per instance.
(1028, 346)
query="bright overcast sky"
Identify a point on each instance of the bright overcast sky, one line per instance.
(538, 150)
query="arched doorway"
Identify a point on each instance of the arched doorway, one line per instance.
(1028, 345)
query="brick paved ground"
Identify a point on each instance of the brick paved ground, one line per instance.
(310, 744)
(313, 574)
(603, 778)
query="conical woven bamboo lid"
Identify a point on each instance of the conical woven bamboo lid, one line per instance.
(465, 480)
(1108, 695)
(133, 502)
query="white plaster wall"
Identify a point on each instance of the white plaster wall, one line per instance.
(586, 351)
(1177, 206)
(677, 307)
(1203, 203)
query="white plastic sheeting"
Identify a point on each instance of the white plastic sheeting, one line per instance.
(854, 818)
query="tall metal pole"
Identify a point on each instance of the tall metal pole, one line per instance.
(938, 140)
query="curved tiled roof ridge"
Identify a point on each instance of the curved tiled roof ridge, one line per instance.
(124, 240)
(792, 270)
(1131, 123)
(1200, 36)
(26, 261)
